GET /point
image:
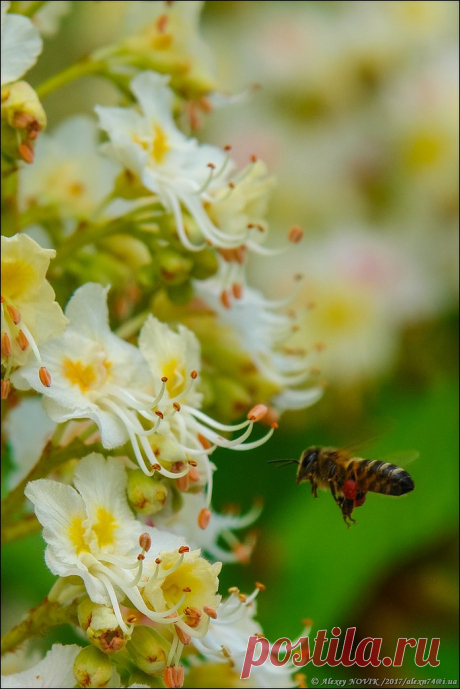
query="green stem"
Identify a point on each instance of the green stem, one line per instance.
(81, 68)
(85, 234)
(39, 620)
(51, 458)
(33, 8)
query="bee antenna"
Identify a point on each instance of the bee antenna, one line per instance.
(282, 462)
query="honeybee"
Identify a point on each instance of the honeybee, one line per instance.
(349, 478)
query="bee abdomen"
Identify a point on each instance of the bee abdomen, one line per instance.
(382, 477)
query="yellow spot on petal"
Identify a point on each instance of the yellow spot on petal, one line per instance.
(424, 150)
(176, 378)
(18, 277)
(160, 144)
(105, 527)
(162, 41)
(76, 535)
(79, 374)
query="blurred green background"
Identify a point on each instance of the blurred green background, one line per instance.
(395, 573)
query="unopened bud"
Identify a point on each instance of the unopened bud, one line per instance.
(175, 267)
(146, 494)
(148, 650)
(101, 626)
(92, 668)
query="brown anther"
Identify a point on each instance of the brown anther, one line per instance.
(184, 638)
(184, 549)
(193, 463)
(240, 254)
(233, 589)
(295, 328)
(193, 616)
(194, 375)
(242, 597)
(156, 467)
(5, 386)
(205, 104)
(211, 166)
(187, 589)
(258, 635)
(260, 586)
(258, 412)
(295, 234)
(231, 185)
(204, 441)
(173, 676)
(145, 542)
(204, 518)
(162, 23)
(158, 561)
(33, 130)
(227, 147)
(261, 228)
(141, 557)
(6, 348)
(225, 299)
(298, 277)
(26, 152)
(45, 377)
(164, 379)
(183, 483)
(274, 425)
(22, 341)
(131, 619)
(176, 406)
(2, 298)
(226, 652)
(160, 414)
(307, 622)
(172, 615)
(21, 120)
(193, 475)
(319, 346)
(237, 290)
(250, 225)
(311, 305)
(254, 158)
(210, 612)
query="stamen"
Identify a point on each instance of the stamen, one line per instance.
(225, 299)
(173, 676)
(204, 518)
(258, 412)
(22, 341)
(145, 542)
(295, 234)
(45, 377)
(32, 342)
(5, 386)
(184, 638)
(210, 612)
(14, 314)
(6, 347)
(26, 152)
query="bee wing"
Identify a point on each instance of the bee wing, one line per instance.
(401, 457)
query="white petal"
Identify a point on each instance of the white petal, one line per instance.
(56, 507)
(55, 670)
(21, 45)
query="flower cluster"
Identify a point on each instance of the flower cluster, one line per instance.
(134, 353)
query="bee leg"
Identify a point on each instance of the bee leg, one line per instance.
(332, 486)
(314, 488)
(347, 511)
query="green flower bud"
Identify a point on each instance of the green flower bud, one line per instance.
(129, 186)
(101, 626)
(145, 493)
(175, 268)
(92, 668)
(148, 650)
(205, 264)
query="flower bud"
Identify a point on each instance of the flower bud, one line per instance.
(101, 626)
(23, 118)
(175, 267)
(146, 494)
(205, 264)
(148, 650)
(92, 668)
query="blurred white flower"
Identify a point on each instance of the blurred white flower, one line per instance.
(21, 45)
(48, 18)
(68, 174)
(264, 331)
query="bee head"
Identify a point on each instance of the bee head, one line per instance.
(307, 462)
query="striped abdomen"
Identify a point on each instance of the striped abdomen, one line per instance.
(379, 477)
